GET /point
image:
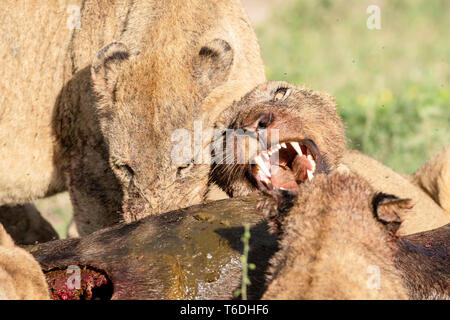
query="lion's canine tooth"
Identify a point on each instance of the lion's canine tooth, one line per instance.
(263, 167)
(311, 160)
(310, 174)
(297, 148)
(284, 145)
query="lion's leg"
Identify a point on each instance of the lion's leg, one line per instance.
(21, 276)
(434, 178)
(26, 225)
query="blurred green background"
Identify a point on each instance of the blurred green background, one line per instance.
(392, 85)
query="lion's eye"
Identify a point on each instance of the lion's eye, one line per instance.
(279, 94)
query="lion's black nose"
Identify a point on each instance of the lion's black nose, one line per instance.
(263, 122)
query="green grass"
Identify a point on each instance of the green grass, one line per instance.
(58, 211)
(392, 85)
(246, 266)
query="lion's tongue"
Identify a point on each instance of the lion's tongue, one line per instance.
(299, 167)
(283, 178)
(287, 178)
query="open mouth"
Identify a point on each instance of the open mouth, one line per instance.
(284, 166)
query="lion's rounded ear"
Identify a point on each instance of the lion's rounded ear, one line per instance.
(105, 66)
(390, 210)
(212, 65)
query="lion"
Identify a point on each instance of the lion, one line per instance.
(428, 188)
(434, 178)
(340, 241)
(91, 93)
(296, 132)
(309, 139)
(92, 90)
(21, 276)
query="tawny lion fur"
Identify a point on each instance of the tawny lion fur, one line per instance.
(340, 241)
(434, 178)
(428, 188)
(21, 276)
(329, 242)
